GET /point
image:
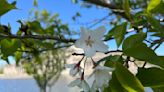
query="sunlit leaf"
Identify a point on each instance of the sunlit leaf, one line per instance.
(115, 85)
(5, 7)
(153, 4)
(127, 79)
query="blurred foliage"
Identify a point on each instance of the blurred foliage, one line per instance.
(46, 67)
(1, 71)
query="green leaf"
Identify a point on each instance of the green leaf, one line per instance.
(110, 60)
(9, 46)
(153, 4)
(151, 77)
(18, 56)
(35, 3)
(127, 79)
(35, 26)
(126, 7)
(107, 89)
(5, 7)
(114, 84)
(155, 24)
(159, 8)
(133, 41)
(110, 34)
(144, 53)
(118, 32)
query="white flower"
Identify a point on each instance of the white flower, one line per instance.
(75, 68)
(102, 77)
(91, 41)
(81, 84)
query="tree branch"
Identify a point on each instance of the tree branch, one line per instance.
(104, 4)
(113, 7)
(38, 37)
(82, 54)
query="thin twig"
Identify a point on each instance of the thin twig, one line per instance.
(99, 21)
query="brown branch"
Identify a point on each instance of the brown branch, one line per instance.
(112, 51)
(82, 54)
(100, 3)
(38, 37)
(111, 6)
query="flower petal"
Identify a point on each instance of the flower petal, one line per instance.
(89, 51)
(73, 71)
(102, 76)
(98, 33)
(104, 68)
(74, 83)
(84, 33)
(100, 46)
(69, 65)
(92, 74)
(85, 86)
(94, 87)
(80, 43)
(99, 78)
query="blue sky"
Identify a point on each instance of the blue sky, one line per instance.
(65, 9)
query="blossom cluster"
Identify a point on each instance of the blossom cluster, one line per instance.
(91, 42)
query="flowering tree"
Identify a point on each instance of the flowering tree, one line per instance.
(137, 30)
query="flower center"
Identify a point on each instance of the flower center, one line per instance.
(89, 41)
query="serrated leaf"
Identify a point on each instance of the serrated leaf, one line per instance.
(151, 77)
(127, 79)
(9, 46)
(6, 7)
